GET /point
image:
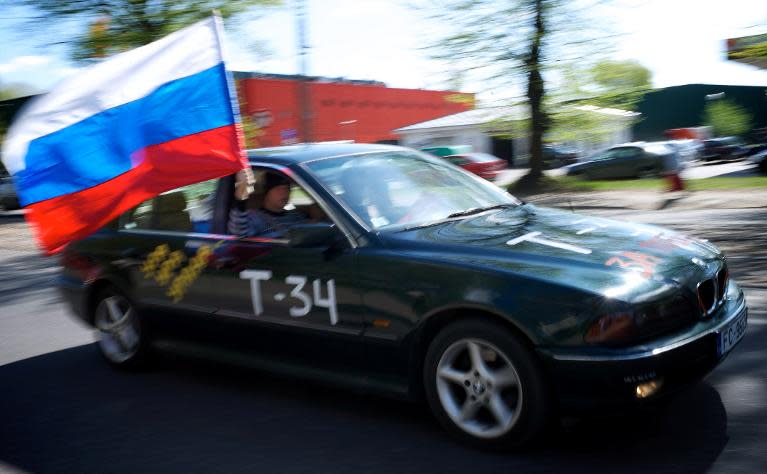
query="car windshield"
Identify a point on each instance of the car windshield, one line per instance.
(401, 189)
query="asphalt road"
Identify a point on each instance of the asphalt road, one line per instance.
(62, 409)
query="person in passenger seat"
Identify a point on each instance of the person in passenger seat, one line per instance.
(269, 219)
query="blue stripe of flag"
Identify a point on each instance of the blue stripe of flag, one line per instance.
(100, 147)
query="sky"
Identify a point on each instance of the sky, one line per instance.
(680, 41)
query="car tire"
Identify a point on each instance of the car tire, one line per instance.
(485, 386)
(120, 337)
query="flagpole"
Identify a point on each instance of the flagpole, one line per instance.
(230, 86)
(244, 179)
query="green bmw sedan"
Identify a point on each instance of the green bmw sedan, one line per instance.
(388, 270)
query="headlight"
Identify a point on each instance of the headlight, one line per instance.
(641, 322)
(613, 328)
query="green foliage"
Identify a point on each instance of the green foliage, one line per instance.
(512, 44)
(120, 25)
(619, 84)
(727, 118)
(571, 123)
(609, 83)
(605, 84)
(620, 76)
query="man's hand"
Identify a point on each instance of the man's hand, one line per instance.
(243, 184)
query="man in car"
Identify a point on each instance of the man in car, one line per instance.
(267, 218)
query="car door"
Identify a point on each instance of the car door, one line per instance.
(601, 165)
(295, 304)
(629, 162)
(161, 240)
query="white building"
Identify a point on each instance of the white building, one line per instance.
(476, 128)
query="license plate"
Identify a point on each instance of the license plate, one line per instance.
(728, 336)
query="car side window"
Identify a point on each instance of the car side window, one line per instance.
(623, 153)
(199, 199)
(270, 213)
(185, 209)
(304, 203)
(605, 155)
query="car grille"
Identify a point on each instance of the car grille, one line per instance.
(712, 290)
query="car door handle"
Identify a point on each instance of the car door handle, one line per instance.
(129, 257)
(131, 253)
(225, 262)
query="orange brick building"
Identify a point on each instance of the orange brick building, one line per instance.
(363, 111)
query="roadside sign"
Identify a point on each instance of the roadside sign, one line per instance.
(289, 136)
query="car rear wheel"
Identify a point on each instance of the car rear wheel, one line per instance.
(484, 385)
(118, 329)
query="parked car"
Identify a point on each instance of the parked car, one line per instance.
(755, 148)
(725, 148)
(760, 159)
(8, 197)
(447, 150)
(483, 165)
(410, 277)
(557, 156)
(633, 160)
(688, 150)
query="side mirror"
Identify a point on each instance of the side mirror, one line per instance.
(321, 234)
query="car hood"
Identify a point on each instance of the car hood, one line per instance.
(589, 248)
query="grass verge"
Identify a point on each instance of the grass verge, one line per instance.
(563, 184)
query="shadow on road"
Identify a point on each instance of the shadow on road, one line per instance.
(69, 412)
(744, 244)
(25, 274)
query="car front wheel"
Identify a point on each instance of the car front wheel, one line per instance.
(484, 385)
(118, 330)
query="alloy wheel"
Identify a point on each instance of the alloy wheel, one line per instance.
(479, 388)
(118, 330)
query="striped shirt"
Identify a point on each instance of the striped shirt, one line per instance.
(262, 223)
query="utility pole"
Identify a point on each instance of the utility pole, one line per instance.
(304, 97)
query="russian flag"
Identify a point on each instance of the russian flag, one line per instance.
(127, 129)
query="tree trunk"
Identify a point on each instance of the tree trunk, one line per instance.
(535, 94)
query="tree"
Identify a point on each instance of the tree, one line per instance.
(8, 92)
(619, 84)
(512, 42)
(607, 84)
(727, 118)
(119, 25)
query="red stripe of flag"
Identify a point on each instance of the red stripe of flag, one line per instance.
(191, 159)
